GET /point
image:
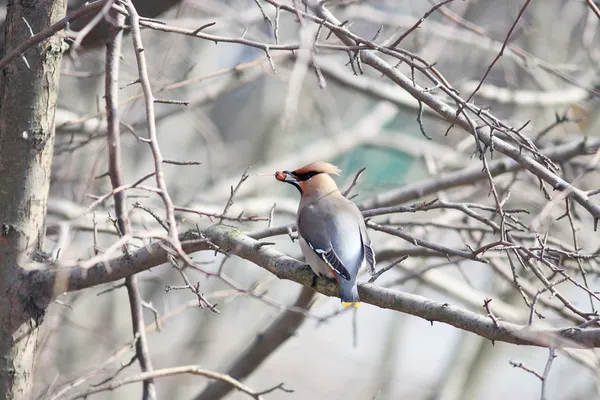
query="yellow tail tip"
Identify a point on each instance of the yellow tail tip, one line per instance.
(354, 304)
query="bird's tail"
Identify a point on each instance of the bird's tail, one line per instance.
(349, 294)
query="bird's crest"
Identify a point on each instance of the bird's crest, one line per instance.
(319, 166)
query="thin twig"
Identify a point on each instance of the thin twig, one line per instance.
(151, 122)
(113, 53)
(182, 162)
(424, 243)
(233, 192)
(166, 372)
(239, 218)
(419, 22)
(354, 182)
(387, 268)
(486, 305)
(594, 7)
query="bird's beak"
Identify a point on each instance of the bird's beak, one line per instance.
(286, 176)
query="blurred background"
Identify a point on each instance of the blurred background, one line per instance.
(248, 111)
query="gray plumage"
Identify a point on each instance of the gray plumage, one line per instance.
(335, 243)
(332, 232)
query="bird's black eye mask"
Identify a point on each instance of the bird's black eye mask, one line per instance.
(294, 178)
(305, 176)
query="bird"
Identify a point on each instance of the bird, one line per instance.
(331, 230)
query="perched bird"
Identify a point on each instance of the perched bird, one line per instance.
(331, 230)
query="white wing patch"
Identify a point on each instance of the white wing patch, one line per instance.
(336, 264)
(320, 251)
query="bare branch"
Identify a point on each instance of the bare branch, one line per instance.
(528, 162)
(113, 53)
(284, 267)
(151, 123)
(419, 22)
(232, 194)
(594, 7)
(354, 182)
(470, 255)
(469, 175)
(166, 372)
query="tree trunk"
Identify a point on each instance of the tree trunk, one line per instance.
(28, 93)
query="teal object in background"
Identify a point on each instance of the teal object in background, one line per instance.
(385, 169)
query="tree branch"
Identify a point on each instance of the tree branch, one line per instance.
(144, 81)
(284, 267)
(186, 369)
(370, 57)
(115, 171)
(469, 175)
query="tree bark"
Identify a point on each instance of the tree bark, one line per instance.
(28, 94)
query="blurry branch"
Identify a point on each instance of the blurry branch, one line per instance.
(497, 57)
(239, 218)
(265, 343)
(444, 284)
(466, 176)
(527, 97)
(594, 7)
(197, 33)
(419, 22)
(392, 253)
(51, 31)
(234, 78)
(144, 81)
(497, 44)
(466, 353)
(96, 37)
(298, 73)
(80, 218)
(369, 86)
(466, 208)
(91, 24)
(52, 282)
(469, 255)
(542, 377)
(320, 149)
(232, 194)
(115, 170)
(467, 34)
(469, 175)
(462, 292)
(369, 57)
(503, 270)
(186, 369)
(354, 182)
(119, 353)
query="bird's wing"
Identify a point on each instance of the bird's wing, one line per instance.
(323, 232)
(369, 253)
